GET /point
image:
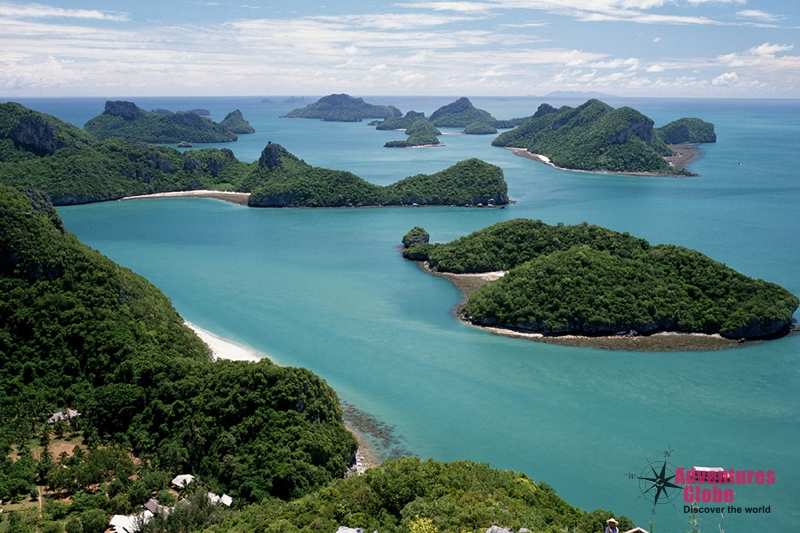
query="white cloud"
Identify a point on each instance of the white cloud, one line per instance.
(657, 39)
(585, 10)
(761, 16)
(655, 68)
(392, 21)
(461, 7)
(726, 80)
(769, 49)
(43, 11)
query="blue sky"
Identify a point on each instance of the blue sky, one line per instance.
(692, 48)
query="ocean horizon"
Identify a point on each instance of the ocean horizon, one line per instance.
(327, 289)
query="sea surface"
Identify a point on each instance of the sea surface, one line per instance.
(327, 289)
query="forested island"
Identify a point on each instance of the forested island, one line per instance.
(283, 180)
(460, 114)
(343, 108)
(130, 122)
(591, 281)
(596, 137)
(41, 152)
(236, 123)
(83, 336)
(421, 132)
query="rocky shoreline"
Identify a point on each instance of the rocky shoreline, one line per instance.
(377, 441)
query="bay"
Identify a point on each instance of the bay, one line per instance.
(328, 290)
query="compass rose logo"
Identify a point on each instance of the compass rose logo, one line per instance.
(656, 484)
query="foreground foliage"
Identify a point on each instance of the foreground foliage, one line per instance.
(595, 136)
(403, 494)
(590, 280)
(78, 331)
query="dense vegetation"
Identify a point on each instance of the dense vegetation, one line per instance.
(687, 130)
(126, 120)
(236, 123)
(41, 152)
(400, 123)
(421, 133)
(26, 134)
(459, 114)
(410, 495)
(590, 280)
(283, 180)
(595, 136)
(343, 108)
(480, 128)
(78, 331)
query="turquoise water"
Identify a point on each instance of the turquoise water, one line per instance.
(327, 290)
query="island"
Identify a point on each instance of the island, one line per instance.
(460, 114)
(596, 137)
(283, 180)
(236, 123)
(128, 121)
(421, 132)
(583, 280)
(400, 123)
(343, 108)
(41, 152)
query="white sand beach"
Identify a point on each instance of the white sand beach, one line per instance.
(225, 349)
(239, 198)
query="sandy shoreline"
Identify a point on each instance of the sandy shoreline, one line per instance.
(221, 348)
(239, 198)
(659, 342)
(684, 154)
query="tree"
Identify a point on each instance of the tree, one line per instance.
(73, 525)
(94, 521)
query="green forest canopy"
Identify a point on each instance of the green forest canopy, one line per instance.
(590, 280)
(284, 180)
(343, 108)
(128, 121)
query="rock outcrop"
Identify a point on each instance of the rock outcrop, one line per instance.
(271, 155)
(37, 134)
(121, 108)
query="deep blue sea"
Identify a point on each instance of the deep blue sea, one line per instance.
(328, 290)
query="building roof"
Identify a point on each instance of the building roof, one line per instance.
(129, 523)
(224, 499)
(183, 480)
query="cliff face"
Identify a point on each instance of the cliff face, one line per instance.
(271, 156)
(126, 110)
(642, 128)
(36, 134)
